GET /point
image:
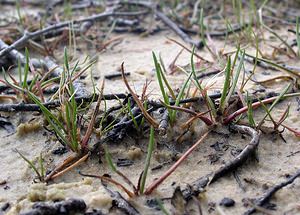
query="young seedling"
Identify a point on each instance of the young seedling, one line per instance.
(36, 86)
(148, 160)
(39, 171)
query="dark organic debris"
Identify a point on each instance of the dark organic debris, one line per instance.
(68, 207)
(115, 75)
(195, 188)
(56, 103)
(227, 202)
(152, 203)
(60, 150)
(268, 195)
(122, 162)
(5, 206)
(5, 124)
(120, 202)
(178, 202)
(164, 122)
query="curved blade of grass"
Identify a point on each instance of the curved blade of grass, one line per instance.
(89, 131)
(148, 160)
(280, 38)
(278, 66)
(250, 111)
(298, 35)
(109, 160)
(26, 70)
(110, 180)
(114, 169)
(165, 79)
(268, 113)
(179, 97)
(281, 95)
(41, 163)
(53, 121)
(160, 79)
(226, 85)
(149, 118)
(284, 116)
(162, 207)
(30, 163)
(235, 79)
(209, 102)
(132, 116)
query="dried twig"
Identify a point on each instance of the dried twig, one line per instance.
(268, 195)
(138, 102)
(243, 156)
(172, 25)
(32, 35)
(56, 103)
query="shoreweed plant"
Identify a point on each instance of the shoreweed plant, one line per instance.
(68, 129)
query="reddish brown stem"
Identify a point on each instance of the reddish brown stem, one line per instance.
(231, 117)
(206, 120)
(160, 180)
(89, 131)
(112, 181)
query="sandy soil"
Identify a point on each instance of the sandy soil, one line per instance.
(275, 157)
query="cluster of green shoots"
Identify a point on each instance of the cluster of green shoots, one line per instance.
(64, 123)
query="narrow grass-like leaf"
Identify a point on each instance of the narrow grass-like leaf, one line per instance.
(160, 79)
(280, 38)
(165, 78)
(283, 92)
(30, 163)
(235, 79)
(41, 163)
(132, 116)
(26, 69)
(202, 27)
(250, 112)
(18, 7)
(278, 66)
(209, 102)
(268, 113)
(298, 36)
(162, 207)
(109, 160)
(226, 84)
(148, 160)
(179, 97)
(53, 121)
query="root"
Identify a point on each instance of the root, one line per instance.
(243, 156)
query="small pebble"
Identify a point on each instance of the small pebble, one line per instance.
(227, 202)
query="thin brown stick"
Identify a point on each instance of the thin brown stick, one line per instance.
(89, 131)
(187, 49)
(67, 161)
(138, 102)
(206, 120)
(32, 35)
(82, 159)
(107, 179)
